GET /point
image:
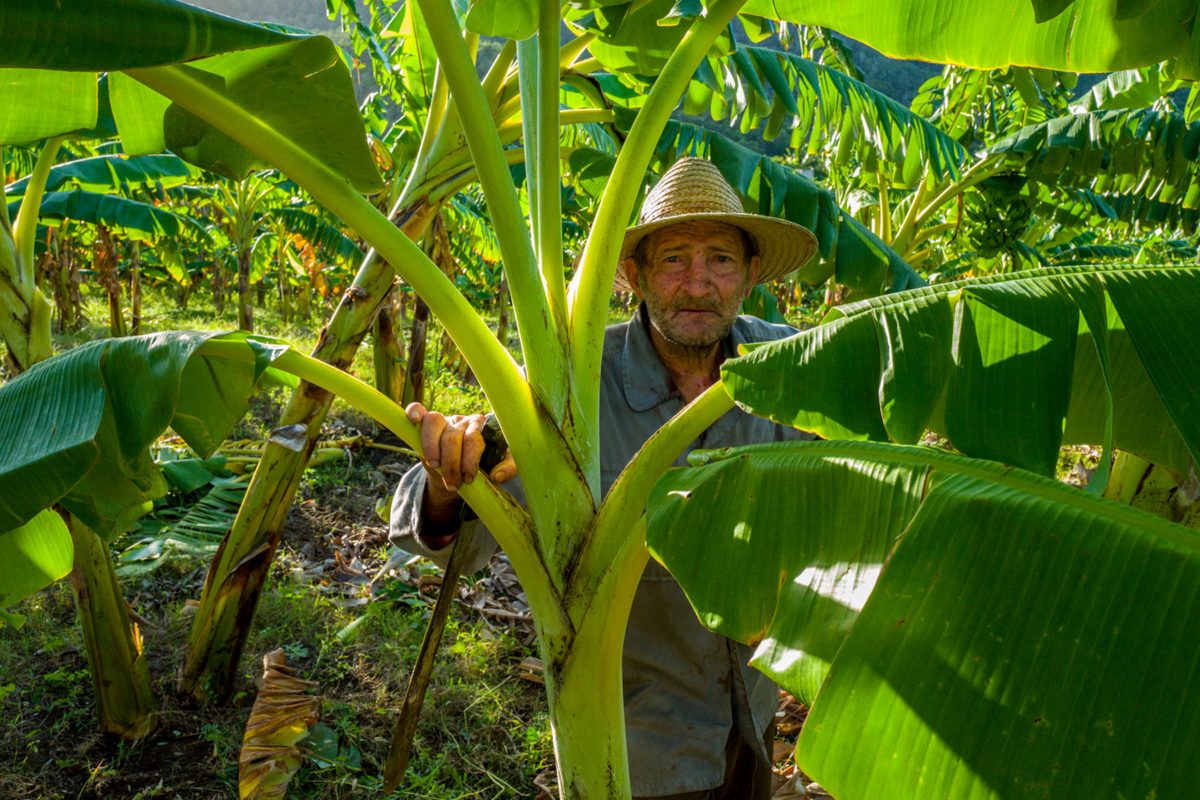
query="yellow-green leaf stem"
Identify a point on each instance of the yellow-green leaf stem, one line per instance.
(591, 287)
(549, 207)
(496, 78)
(510, 132)
(544, 345)
(907, 229)
(571, 50)
(456, 169)
(439, 104)
(974, 175)
(505, 518)
(457, 176)
(527, 82)
(609, 546)
(494, 366)
(27, 218)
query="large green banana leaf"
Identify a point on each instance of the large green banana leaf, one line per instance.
(114, 174)
(299, 86)
(1067, 35)
(1142, 153)
(139, 221)
(1006, 368)
(1131, 88)
(820, 107)
(982, 632)
(78, 427)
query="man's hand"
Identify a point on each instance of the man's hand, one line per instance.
(453, 447)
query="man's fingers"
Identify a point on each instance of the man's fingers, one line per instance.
(506, 470)
(472, 446)
(451, 444)
(432, 426)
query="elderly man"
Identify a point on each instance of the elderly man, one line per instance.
(698, 719)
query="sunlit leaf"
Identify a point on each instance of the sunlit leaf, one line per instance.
(981, 631)
(33, 556)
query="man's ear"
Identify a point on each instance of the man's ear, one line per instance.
(752, 278)
(631, 275)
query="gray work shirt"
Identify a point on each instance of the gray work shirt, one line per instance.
(686, 688)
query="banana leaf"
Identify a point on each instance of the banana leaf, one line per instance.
(962, 629)
(1141, 153)
(298, 85)
(1131, 88)
(114, 174)
(318, 232)
(1066, 35)
(33, 556)
(819, 106)
(99, 407)
(1006, 368)
(139, 221)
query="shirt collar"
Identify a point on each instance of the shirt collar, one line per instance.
(643, 374)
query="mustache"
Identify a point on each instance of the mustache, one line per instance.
(697, 304)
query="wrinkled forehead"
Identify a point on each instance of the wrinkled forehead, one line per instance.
(699, 231)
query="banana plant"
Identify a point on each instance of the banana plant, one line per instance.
(25, 321)
(963, 627)
(579, 555)
(62, 544)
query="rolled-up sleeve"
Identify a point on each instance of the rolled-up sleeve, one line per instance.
(405, 524)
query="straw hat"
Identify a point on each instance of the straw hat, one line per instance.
(693, 189)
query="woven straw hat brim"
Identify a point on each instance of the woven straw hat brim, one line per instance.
(782, 246)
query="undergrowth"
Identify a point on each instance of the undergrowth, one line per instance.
(484, 732)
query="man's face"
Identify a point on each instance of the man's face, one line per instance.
(693, 280)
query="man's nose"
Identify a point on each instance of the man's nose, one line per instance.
(699, 270)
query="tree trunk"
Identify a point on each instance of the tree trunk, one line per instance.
(1154, 489)
(285, 287)
(245, 305)
(188, 288)
(304, 303)
(75, 283)
(452, 360)
(135, 290)
(389, 376)
(120, 677)
(25, 321)
(104, 261)
(218, 287)
(414, 374)
(236, 576)
(60, 283)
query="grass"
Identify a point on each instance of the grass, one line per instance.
(484, 732)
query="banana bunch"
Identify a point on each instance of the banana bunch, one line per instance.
(997, 215)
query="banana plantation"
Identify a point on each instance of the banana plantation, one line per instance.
(232, 251)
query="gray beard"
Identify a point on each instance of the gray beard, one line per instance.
(698, 348)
